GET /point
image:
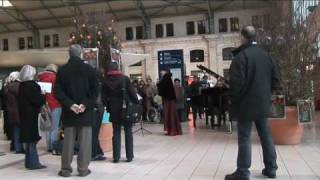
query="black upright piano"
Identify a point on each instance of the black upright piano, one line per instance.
(215, 101)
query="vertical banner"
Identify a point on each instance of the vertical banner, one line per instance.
(91, 56)
(115, 56)
(278, 107)
(306, 111)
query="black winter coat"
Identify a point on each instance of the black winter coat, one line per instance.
(76, 83)
(30, 100)
(195, 92)
(112, 95)
(253, 77)
(11, 92)
(166, 89)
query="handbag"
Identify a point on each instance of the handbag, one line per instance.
(105, 117)
(131, 112)
(45, 119)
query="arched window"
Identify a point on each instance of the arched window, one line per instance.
(227, 53)
(197, 55)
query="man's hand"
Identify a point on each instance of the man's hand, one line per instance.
(75, 108)
(82, 108)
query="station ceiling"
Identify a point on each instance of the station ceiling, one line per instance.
(32, 15)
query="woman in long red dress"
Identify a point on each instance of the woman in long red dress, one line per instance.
(167, 92)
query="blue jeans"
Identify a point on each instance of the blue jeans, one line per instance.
(52, 136)
(32, 158)
(244, 146)
(16, 139)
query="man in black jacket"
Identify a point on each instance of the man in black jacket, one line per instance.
(253, 77)
(76, 89)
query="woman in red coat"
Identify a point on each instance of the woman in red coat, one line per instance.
(49, 76)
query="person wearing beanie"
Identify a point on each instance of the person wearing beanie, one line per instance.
(112, 95)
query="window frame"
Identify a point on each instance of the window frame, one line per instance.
(168, 27)
(5, 44)
(194, 54)
(199, 23)
(129, 34)
(191, 31)
(225, 29)
(30, 44)
(21, 43)
(230, 55)
(234, 24)
(56, 40)
(159, 30)
(139, 37)
(46, 38)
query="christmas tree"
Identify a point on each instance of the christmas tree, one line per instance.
(94, 34)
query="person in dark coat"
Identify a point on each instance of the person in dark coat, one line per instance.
(113, 100)
(253, 76)
(166, 91)
(11, 91)
(196, 99)
(7, 130)
(76, 89)
(30, 100)
(97, 152)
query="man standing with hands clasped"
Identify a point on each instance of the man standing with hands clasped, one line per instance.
(253, 77)
(76, 89)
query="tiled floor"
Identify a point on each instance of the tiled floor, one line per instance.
(200, 154)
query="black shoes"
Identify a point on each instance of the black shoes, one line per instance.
(117, 160)
(236, 176)
(62, 174)
(99, 158)
(129, 160)
(269, 174)
(85, 174)
(37, 167)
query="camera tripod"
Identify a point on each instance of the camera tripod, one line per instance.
(142, 129)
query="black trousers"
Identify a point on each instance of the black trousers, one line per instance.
(96, 148)
(116, 140)
(244, 146)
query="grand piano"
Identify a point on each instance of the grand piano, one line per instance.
(216, 101)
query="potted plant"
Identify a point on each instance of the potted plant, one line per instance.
(291, 43)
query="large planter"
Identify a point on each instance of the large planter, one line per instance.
(105, 137)
(288, 131)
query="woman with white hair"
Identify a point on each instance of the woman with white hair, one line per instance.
(11, 91)
(30, 101)
(49, 76)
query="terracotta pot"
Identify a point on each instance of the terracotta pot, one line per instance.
(288, 131)
(105, 137)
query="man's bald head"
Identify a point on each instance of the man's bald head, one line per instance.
(249, 33)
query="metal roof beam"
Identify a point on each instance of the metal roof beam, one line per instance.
(19, 17)
(211, 16)
(111, 10)
(145, 18)
(50, 12)
(73, 6)
(5, 27)
(64, 2)
(115, 11)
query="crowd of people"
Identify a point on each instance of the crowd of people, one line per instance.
(80, 96)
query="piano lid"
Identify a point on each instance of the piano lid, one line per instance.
(210, 72)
